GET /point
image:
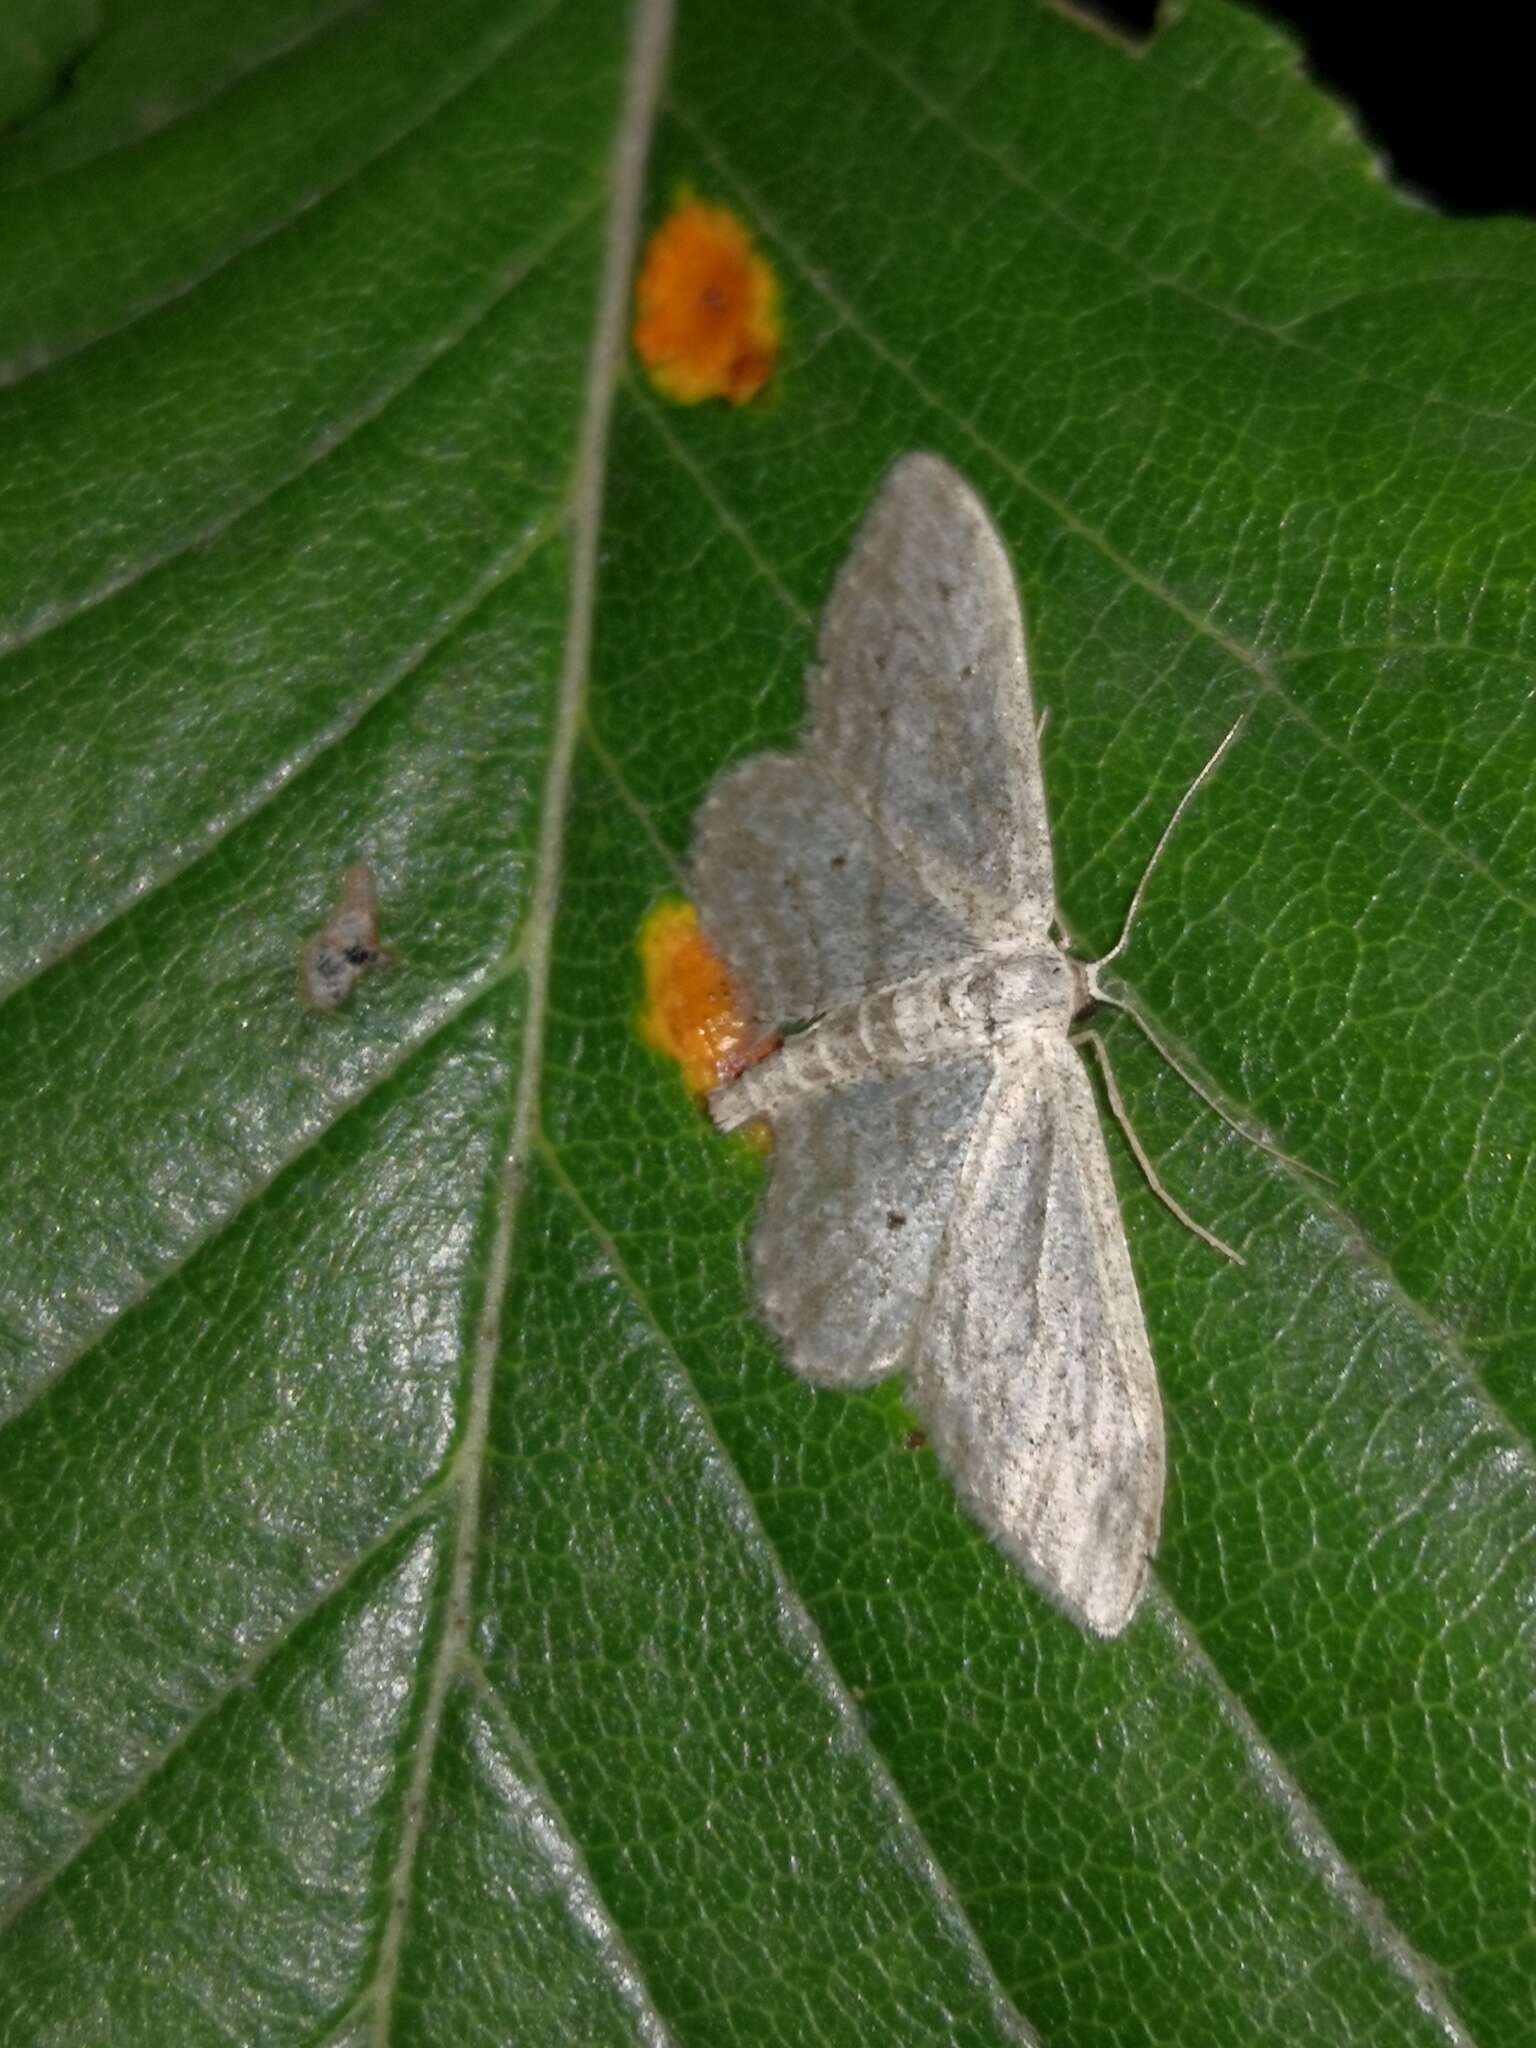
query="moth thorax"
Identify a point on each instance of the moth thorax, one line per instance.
(1006, 994)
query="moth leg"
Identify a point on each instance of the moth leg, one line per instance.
(1139, 1153)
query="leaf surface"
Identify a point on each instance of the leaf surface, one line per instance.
(431, 1611)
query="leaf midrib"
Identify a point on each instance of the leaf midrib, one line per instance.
(650, 37)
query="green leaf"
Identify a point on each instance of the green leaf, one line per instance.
(431, 1611)
(40, 41)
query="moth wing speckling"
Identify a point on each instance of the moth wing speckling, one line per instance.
(797, 893)
(877, 1166)
(1031, 1367)
(920, 704)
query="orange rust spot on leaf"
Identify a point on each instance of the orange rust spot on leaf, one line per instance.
(706, 307)
(692, 1011)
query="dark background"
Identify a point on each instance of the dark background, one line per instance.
(1446, 96)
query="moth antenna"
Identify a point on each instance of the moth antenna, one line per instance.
(1138, 1151)
(1167, 833)
(1100, 994)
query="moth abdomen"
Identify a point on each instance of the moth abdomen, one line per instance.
(992, 999)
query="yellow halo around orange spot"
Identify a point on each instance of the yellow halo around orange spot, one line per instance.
(692, 1011)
